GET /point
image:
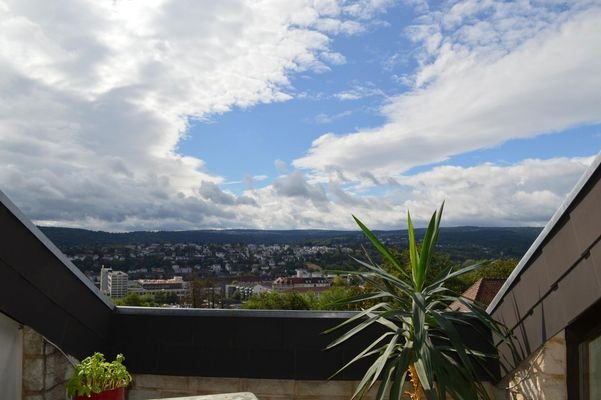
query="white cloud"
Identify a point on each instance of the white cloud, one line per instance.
(96, 95)
(367, 8)
(522, 194)
(333, 58)
(260, 178)
(323, 118)
(295, 185)
(280, 166)
(360, 91)
(526, 193)
(337, 26)
(249, 181)
(532, 76)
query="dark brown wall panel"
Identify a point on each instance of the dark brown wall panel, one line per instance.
(507, 312)
(39, 290)
(534, 329)
(28, 305)
(587, 218)
(554, 313)
(540, 274)
(595, 260)
(579, 289)
(562, 250)
(23, 252)
(527, 291)
(564, 279)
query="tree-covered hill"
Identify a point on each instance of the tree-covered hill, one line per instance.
(468, 242)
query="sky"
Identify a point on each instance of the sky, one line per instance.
(124, 115)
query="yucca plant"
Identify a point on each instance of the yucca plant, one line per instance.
(421, 339)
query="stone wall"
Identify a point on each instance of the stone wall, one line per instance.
(45, 369)
(542, 376)
(11, 358)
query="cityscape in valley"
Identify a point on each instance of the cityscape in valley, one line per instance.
(238, 268)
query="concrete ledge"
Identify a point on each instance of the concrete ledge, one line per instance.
(225, 396)
(154, 387)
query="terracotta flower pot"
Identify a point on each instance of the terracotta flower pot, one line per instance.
(115, 394)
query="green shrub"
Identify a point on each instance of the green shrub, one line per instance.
(95, 375)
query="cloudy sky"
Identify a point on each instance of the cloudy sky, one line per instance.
(156, 114)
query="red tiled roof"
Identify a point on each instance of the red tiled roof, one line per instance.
(482, 292)
(296, 280)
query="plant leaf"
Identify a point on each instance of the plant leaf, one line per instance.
(381, 248)
(413, 255)
(426, 253)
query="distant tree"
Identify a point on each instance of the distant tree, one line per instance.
(499, 269)
(331, 299)
(277, 301)
(135, 299)
(205, 294)
(338, 281)
(334, 299)
(312, 267)
(166, 298)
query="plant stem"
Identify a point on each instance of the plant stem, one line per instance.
(418, 391)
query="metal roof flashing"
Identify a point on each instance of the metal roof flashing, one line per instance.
(4, 200)
(584, 179)
(237, 313)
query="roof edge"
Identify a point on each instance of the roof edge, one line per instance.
(4, 200)
(227, 313)
(584, 179)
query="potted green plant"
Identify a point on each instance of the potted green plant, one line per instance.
(97, 379)
(421, 339)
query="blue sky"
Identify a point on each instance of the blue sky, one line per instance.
(575, 142)
(172, 115)
(246, 141)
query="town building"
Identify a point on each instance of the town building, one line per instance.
(117, 284)
(481, 292)
(245, 291)
(296, 284)
(175, 285)
(104, 280)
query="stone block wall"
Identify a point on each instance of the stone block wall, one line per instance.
(45, 369)
(542, 376)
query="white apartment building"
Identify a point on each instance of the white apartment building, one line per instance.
(104, 280)
(117, 283)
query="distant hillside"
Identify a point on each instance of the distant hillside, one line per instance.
(495, 242)
(76, 237)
